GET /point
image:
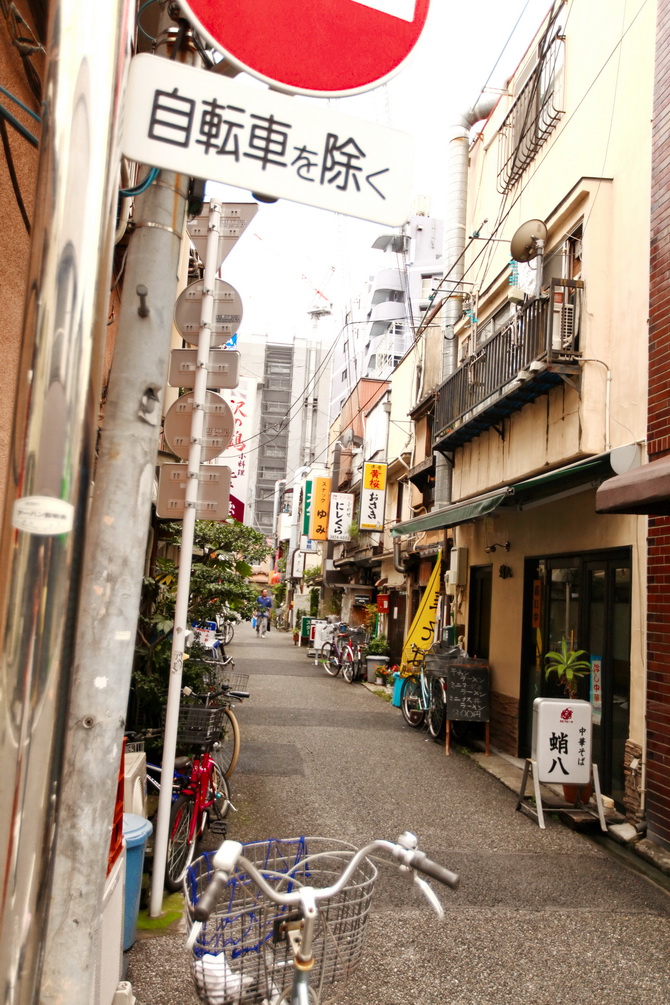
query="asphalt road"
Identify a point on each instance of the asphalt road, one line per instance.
(540, 917)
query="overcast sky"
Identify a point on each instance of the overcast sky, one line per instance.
(289, 249)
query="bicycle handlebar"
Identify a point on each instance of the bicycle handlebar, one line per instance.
(230, 855)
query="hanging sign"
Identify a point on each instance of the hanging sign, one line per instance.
(341, 515)
(596, 689)
(308, 546)
(320, 508)
(242, 401)
(373, 496)
(561, 744)
(307, 507)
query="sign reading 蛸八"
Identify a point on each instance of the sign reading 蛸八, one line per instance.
(561, 744)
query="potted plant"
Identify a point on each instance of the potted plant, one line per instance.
(377, 658)
(569, 667)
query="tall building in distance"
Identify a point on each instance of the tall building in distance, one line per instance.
(380, 323)
(290, 426)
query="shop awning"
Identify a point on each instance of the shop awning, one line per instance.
(644, 490)
(542, 488)
(451, 516)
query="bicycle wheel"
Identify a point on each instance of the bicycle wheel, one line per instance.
(180, 847)
(328, 659)
(219, 791)
(228, 632)
(410, 703)
(437, 709)
(348, 668)
(227, 751)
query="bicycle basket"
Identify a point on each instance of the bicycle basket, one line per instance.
(359, 636)
(218, 675)
(199, 724)
(236, 959)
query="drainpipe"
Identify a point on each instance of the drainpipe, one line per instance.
(454, 247)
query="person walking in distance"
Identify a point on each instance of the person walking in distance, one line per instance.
(264, 606)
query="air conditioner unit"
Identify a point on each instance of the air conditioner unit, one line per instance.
(563, 327)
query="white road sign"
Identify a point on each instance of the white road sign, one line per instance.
(235, 217)
(227, 312)
(217, 430)
(184, 119)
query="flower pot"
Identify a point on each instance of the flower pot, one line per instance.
(572, 793)
(372, 663)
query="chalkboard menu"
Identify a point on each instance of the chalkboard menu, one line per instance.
(467, 692)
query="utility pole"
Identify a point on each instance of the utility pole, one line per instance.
(118, 521)
(185, 558)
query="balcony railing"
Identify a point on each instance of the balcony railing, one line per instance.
(516, 365)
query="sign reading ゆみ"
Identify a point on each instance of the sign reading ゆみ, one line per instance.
(373, 496)
(320, 507)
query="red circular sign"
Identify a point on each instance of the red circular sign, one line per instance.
(318, 47)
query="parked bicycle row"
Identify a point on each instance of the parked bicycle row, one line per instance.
(208, 745)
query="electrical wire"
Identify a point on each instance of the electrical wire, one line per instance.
(128, 193)
(20, 128)
(12, 174)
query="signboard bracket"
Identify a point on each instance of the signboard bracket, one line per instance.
(537, 813)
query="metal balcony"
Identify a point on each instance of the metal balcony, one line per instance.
(522, 361)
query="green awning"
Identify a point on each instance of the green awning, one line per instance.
(450, 516)
(592, 470)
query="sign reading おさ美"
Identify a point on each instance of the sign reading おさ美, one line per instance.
(373, 496)
(184, 119)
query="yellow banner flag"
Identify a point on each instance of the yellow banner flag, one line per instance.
(422, 630)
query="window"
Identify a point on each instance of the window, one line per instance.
(534, 113)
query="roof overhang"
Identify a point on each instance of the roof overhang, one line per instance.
(543, 488)
(644, 490)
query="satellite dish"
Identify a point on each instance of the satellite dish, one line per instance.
(524, 243)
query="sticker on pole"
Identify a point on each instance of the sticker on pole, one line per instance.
(43, 515)
(188, 120)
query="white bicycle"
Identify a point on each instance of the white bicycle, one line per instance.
(274, 922)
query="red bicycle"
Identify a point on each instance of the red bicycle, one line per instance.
(204, 798)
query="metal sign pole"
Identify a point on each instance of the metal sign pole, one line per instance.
(185, 560)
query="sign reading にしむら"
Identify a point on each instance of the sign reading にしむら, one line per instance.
(341, 514)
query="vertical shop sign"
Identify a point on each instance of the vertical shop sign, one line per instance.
(596, 688)
(307, 507)
(242, 400)
(341, 515)
(373, 496)
(320, 508)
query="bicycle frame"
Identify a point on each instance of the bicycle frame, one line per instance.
(198, 786)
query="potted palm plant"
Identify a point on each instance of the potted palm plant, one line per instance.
(569, 667)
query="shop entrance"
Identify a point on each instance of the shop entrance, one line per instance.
(584, 599)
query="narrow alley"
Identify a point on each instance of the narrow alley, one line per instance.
(542, 917)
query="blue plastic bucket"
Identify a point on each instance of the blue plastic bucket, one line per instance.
(136, 831)
(397, 689)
